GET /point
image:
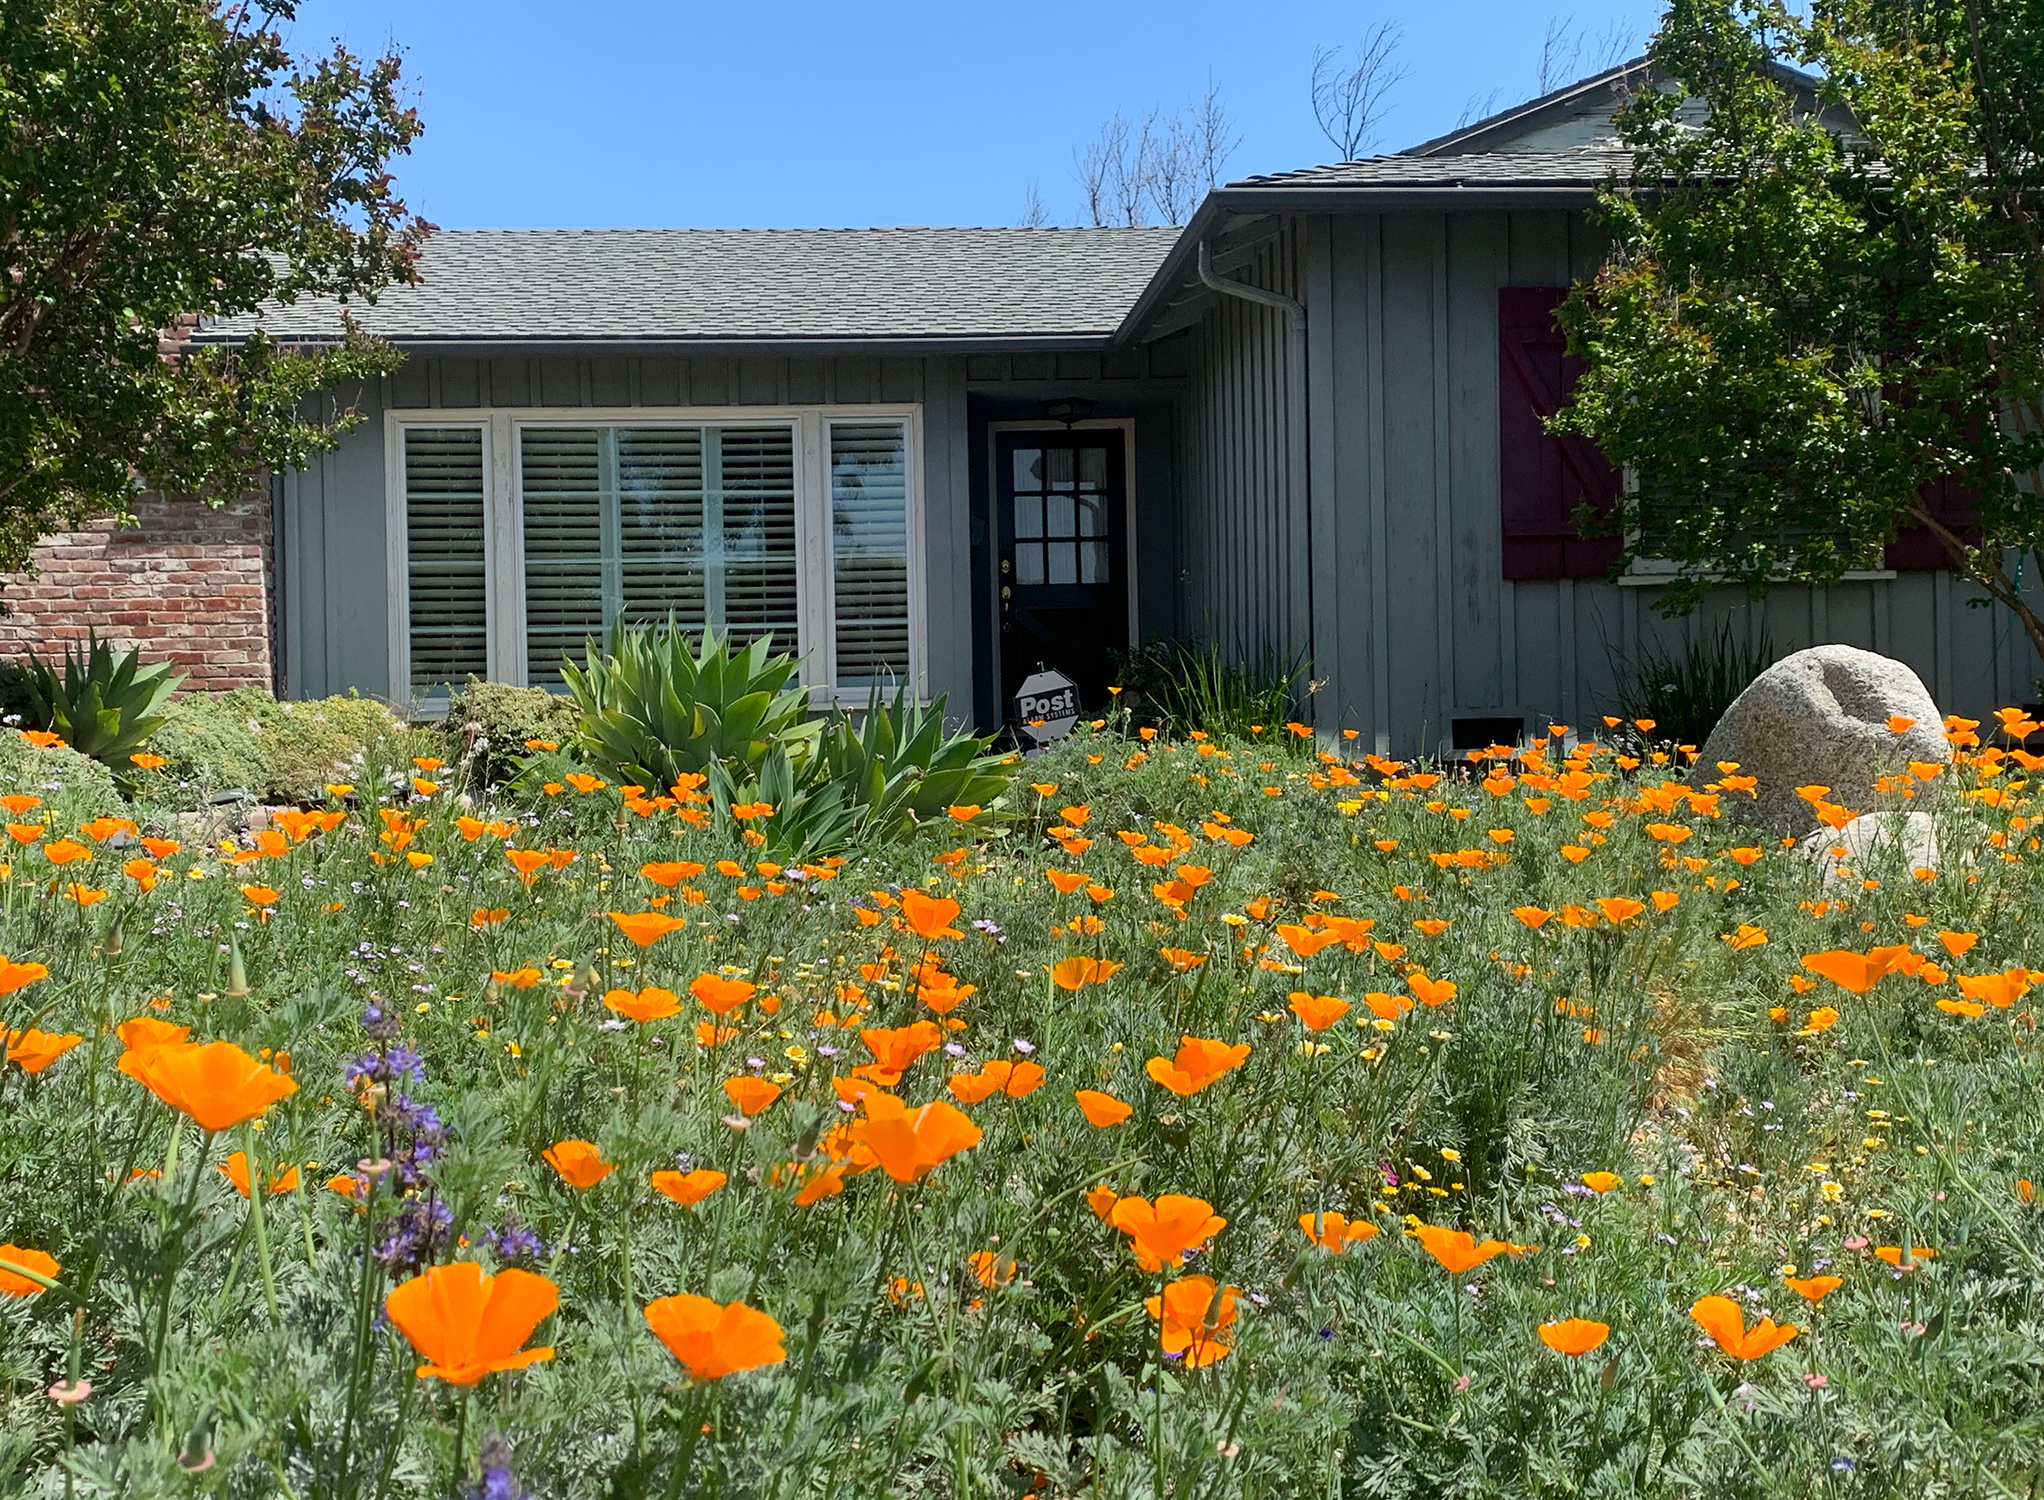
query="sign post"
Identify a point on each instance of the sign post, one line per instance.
(1047, 705)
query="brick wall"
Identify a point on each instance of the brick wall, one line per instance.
(188, 583)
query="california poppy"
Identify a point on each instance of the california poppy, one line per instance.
(1456, 1249)
(217, 1084)
(32, 1050)
(712, 1341)
(992, 1267)
(1999, 990)
(895, 1048)
(580, 1164)
(1574, 1337)
(235, 1170)
(1305, 941)
(750, 1094)
(468, 1325)
(1619, 909)
(1066, 881)
(1532, 916)
(13, 1284)
(645, 927)
(1812, 1289)
(688, 1188)
(998, 1077)
(1336, 1232)
(671, 872)
(907, 1143)
(1602, 1182)
(1198, 1062)
(1857, 972)
(929, 917)
(649, 1004)
(1078, 971)
(1163, 1234)
(1101, 1199)
(1102, 1110)
(1183, 960)
(1198, 1319)
(14, 975)
(1903, 1260)
(1429, 992)
(1721, 1319)
(1317, 1012)
(719, 995)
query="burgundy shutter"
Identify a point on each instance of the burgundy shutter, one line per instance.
(1916, 549)
(1544, 478)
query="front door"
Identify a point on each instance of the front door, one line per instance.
(1062, 504)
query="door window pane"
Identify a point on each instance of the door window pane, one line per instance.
(1092, 515)
(1028, 469)
(1060, 475)
(1064, 562)
(1029, 515)
(1093, 562)
(1057, 519)
(1093, 468)
(1028, 563)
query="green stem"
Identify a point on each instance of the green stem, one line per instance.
(256, 1188)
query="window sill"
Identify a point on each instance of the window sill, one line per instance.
(1661, 578)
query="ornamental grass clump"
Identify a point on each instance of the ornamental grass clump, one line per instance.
(1247, 1115)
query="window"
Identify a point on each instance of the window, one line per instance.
(1061, 520)
(525, 535)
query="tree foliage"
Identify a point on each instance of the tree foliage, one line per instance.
(1819, 301)
(163, 161)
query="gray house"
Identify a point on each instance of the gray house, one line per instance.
(1306, 423)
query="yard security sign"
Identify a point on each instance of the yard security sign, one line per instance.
(1047, 705)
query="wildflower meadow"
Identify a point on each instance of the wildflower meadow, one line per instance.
(1230, 1116)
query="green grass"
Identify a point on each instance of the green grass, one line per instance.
(1647, 1049)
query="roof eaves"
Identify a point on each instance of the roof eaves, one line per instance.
(641, 346)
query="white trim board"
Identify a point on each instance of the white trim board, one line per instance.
(503, 545)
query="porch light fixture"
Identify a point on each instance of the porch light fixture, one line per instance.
(1071, 411)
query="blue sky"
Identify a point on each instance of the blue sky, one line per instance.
(637, 113)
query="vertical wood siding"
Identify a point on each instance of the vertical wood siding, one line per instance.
(1243, 554)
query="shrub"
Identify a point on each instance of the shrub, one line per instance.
(56, 773)
(1190, 685)
(1684, 693)
(245, 739)
(490, 723)
(104, 705)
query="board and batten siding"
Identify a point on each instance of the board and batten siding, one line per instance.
(1242, 534)
(1414, 624)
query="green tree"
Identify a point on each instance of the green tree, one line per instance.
(165, 161)
(1815, 305)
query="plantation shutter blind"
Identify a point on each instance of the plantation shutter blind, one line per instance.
(869, 548)
(446, 590)
(1544, 478)
(641, 522)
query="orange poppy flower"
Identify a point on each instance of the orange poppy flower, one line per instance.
(518, 979)
(1183, 960)
(1430, 926)
(1336, 1232)
(42, 739)
(1017, 1080)
(909, 1144)
(65, 851)
(1602, 1182)
(712, 1341)
(929, 917)
(992, 1267)
(1430, 992)
(1999, 990)
(719, 995)
(216, 1084)
(1857, 972)
(14, 976)
(1167, 1232)
(751, 1095)
(1305, 941)
(32, 1050)
(1078, 971)
(1721, 1319)
(1317, 1012)
(1456, 1249)
(467, 1325)
(1198, 1062)
(688, 1188)
(147, 1031)
(1102, 1110)
(17, 803)
(12, 1283)
(580, 1164)
(1532, 916)
(895, 1048)
(819, 1182)
(646, 927)
(1101, 1199)
(1895, 1256)
(1619, 909)
(25, 833)
(671, 872)
(235, 1170)
(1066, 881)
(260, 895)
(649, 1004)
(1198, 1319)
(1574, 1337)
(1812, 1289)
(1958, 944)
(1386, 1007)
(709, 1034)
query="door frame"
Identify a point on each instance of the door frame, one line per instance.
(1127, 427)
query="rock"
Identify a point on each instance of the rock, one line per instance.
(1871, 842)
(1821, 717)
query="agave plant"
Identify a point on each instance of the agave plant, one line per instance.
(657, 702)
(104, 705)
(899, 766)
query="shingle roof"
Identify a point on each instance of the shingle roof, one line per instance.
(752, 288)
(1583, 168)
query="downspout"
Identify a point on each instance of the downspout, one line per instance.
(1300, 478)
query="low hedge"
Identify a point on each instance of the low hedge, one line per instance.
(246, 740)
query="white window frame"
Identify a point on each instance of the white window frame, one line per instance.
(504, 529)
